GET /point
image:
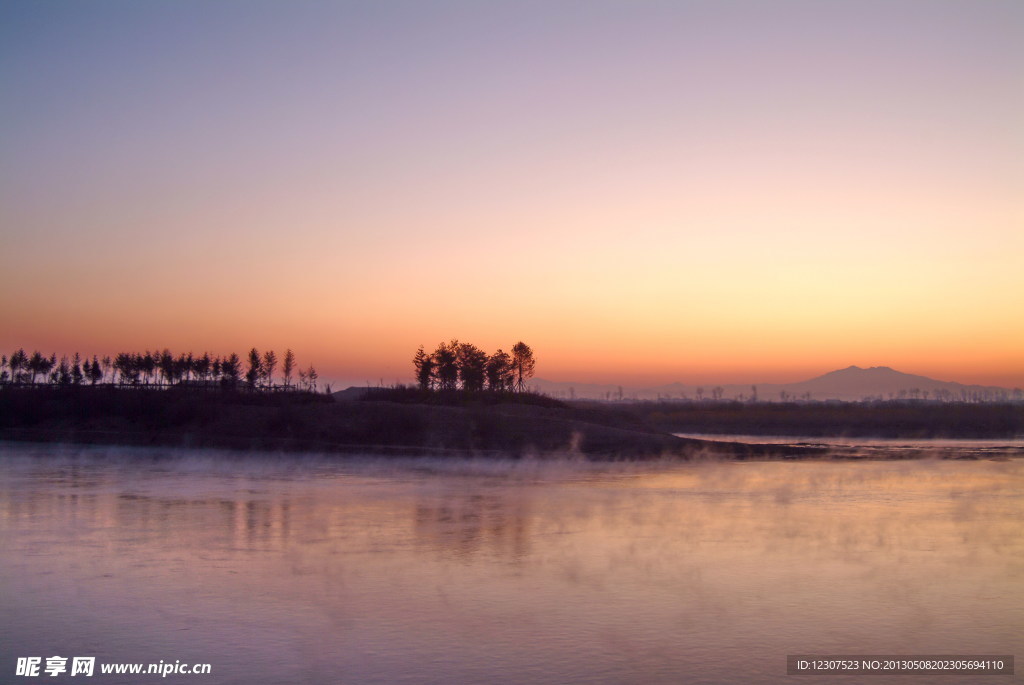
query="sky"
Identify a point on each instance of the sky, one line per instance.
(644, 191)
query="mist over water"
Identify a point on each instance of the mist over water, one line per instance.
(312, 570)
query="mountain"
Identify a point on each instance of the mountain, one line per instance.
(851, 384)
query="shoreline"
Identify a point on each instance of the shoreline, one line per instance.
(244, 423)
(705, 451)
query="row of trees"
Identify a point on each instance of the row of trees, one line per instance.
(454, 365)
(158, 369)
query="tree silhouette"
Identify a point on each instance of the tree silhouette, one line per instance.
(424, 365)
(61, 375)
(269, 364)
(446, 365)
(96, 371)
(231, 370)
(453, 365)
(76, 370)
(35, 365)
(134, 369)
(472, 363)
(167, 369)
(127, 367)
(17, 362)
(201, 366)
(522, 363)
(148, 366)
(499, 371)
(255, 372)
(288, 367)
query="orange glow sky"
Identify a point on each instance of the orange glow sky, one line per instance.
(645, 192)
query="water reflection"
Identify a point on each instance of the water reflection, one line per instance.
(464, 524)
(481, 572)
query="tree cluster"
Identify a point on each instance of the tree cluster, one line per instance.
(157, 369)
(456, 365)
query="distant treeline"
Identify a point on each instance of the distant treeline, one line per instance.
(464, 366)
(159, 369)
(902, 419)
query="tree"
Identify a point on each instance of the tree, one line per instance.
(446, 365)
(76, 370)
(522, 363)
(423, 363)
(166, 363)
(127, 368)
(231, 370)
(269, 364)
(255, 372)
(201, 366)
(17, 362)
(148, 364)
(35, 365)
(288, 367)
(96, 371)
(499, 371)
(472, 363)
(62, 374)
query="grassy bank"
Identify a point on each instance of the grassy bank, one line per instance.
(458, 425)
(402, 422)
(896, 419)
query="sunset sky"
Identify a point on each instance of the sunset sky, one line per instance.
(644, 191)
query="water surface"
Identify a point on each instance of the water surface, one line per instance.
(307, 570)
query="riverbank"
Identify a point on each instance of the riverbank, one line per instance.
(304, 422)
(307, 422)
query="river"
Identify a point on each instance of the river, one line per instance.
(315, 570)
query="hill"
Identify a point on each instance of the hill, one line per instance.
(850, 384)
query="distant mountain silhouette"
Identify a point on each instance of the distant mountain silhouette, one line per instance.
(851, 384)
